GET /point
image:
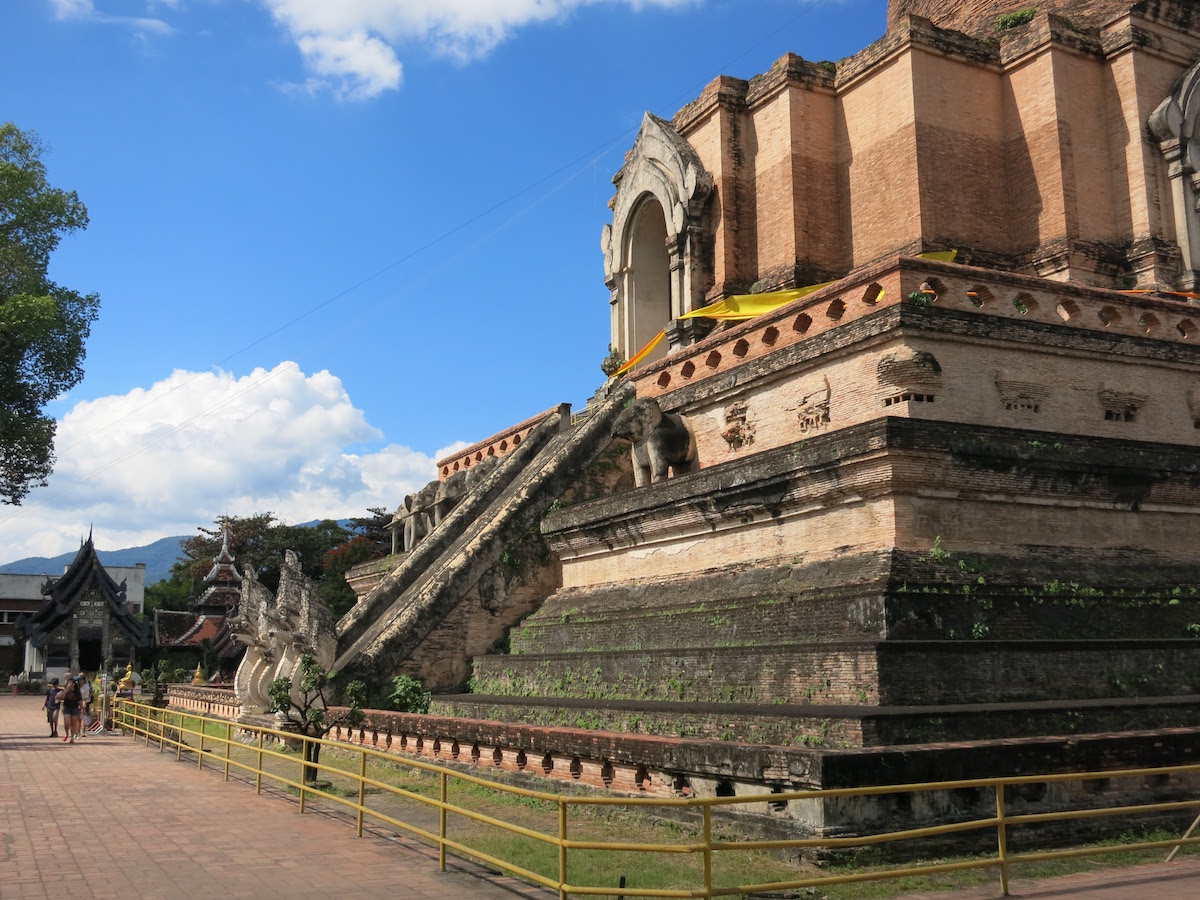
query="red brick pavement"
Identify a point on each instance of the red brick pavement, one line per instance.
(105, 818)
(139, 824)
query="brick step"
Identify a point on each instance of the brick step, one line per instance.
(564, 624)
(830, 727)
(867, 673)
(574, 622)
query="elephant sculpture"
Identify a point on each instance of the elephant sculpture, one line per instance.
(661, 441)
(449, 494)
(418, 521)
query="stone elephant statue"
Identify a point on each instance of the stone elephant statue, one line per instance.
(449, 494)
(419, 519)
(661, 441)
(479, 472)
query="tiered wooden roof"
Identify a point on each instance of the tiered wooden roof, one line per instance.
(64, 593)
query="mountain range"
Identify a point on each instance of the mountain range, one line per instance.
(158, 558)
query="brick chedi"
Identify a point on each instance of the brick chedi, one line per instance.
(934, 518)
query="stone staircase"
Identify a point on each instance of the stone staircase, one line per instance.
(411, 601)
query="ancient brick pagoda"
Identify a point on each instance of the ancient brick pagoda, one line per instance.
(933, 519)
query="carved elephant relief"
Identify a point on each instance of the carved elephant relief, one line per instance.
(661, 441)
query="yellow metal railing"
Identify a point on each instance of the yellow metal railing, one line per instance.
(190, 732)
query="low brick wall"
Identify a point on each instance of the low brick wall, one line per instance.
(209, 700)
(676, 767)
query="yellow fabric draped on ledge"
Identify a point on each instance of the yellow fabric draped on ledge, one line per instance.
(740, 307)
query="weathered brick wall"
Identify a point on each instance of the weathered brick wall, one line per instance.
(1026, 147)
(1001, 672)
(979, 16)
(825, 673)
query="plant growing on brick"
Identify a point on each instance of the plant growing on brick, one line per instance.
(1015, 19)
(409, 695)
(310, 717)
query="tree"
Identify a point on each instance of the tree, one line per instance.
(43, 325)
(310, 717)
(374, 527)
(257, 543)
(334, 590)
(169, 593)
(370, 539)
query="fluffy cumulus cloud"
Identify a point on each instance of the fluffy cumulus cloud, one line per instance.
(350, 46)
(164, 460)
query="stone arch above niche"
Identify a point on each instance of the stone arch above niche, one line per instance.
(1175, 124)
(909, 369)
(662, 167)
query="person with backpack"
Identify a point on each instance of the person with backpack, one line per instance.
(69, 698)
(51, 706)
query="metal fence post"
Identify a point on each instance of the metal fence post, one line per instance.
(1002, 840)
(178, 737)
(562, 849)
(708, 850)
(258, 768)
(200, 752)
(303, 767)
(362, 786)
(442, 826)
(228, 741)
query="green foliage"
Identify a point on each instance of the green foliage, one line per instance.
(408, 695)
(258, 542)
(938, 552)
(1015, 19)
(310, 715)
(43, 326)
(919, 298)
(334, 589)
(170, 593)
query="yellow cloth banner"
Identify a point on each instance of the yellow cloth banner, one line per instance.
(641, 354)
(740, 307)
(747, 306)
(939, 255)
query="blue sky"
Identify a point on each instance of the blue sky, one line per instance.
(333, 240)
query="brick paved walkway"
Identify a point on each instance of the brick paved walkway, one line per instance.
(140, 824)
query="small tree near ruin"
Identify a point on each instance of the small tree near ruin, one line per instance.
(310, 716)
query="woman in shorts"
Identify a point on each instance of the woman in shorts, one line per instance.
(69, 698)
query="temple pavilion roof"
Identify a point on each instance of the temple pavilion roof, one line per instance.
(63, 595)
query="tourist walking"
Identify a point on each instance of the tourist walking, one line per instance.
(85, 703)
(69, 698)
(14, 683)
(51, 706)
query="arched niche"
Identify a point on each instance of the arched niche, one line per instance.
(652, 248)
(649, 282)
(1175, 124)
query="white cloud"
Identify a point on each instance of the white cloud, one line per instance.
(85, 11)
(350, 45)
(356, 67)
(166, 459)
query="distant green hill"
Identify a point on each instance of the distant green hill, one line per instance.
(158, 558)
